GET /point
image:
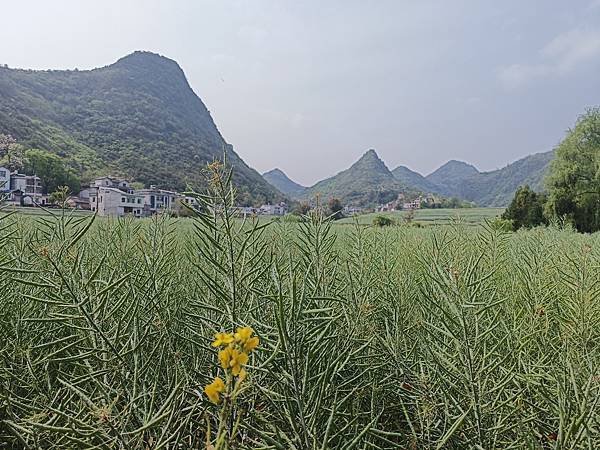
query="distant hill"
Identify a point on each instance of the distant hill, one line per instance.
(494, 188)
(451, 173)
(497, 188)
(367, 182)
(281, 181)
(414, 179)
(136, 118)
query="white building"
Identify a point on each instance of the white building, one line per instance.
(352, 210)
(114, 197)
(110, 201)
(158, 200)
(279, 209)
(415, 204)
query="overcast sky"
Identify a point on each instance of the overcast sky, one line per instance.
(308, 86)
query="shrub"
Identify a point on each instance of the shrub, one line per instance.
(383, 221)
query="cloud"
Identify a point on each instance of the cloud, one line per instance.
(562, 55)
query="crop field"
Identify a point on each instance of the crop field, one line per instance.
(474, 216)
(400, 337)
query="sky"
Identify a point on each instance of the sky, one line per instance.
(309, 86)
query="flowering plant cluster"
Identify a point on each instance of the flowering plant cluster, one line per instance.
(233, 357)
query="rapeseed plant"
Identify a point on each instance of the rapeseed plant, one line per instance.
(233, 357)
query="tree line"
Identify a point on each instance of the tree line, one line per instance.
(32, 161)
(572, 185)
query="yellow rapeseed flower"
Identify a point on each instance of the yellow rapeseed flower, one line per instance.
(222, 339)
(251, 344)
(243, 334)
(225, 357)
(237, 360)
(213, 390)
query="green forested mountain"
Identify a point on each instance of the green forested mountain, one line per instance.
(451, 172)
(497, 188)
(281, 181)
(136, 118)
(414, 179)
(494, 188)
(367, 182)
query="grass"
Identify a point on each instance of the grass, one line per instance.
(474, 216)
(402, 337)
(43, 212)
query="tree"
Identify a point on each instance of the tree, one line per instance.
(60, 196)
(526, 209)
(301, 209)
(11, 153)
(383, 221)
(51, 169)
(574, 178)
(335, 208)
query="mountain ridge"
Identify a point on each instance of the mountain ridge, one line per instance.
(137, 117)
(366, 182)
(452, 179)
(278, 178)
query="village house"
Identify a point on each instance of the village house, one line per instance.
(279, 209)
(352, 210)
(109, 201)
(158, 200)
(20, 189)
(109, 196)
(415, 204)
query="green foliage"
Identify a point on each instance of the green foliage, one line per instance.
(137, 118)
(335, 208)
(51, 169)
(59, 196)
(383, 221)
(301, 208)
(574, 179)
(526, 209)
(181, 209)
(11, 153)
(500, 224)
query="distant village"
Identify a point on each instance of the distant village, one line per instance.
(108, 196)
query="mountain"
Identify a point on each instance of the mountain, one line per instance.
(367, 182)
(493, 188)
(451, 173)
(137, 118)
(278, 179)
(414, 179)
(497, 187)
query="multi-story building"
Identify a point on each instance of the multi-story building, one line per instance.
(110, 201)
(158, 200)
(113, 197)
(26, 190)
(279, 209)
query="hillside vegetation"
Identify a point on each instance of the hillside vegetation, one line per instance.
(282, 182)
(136, 118)
(367, 182)
(494, 188)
